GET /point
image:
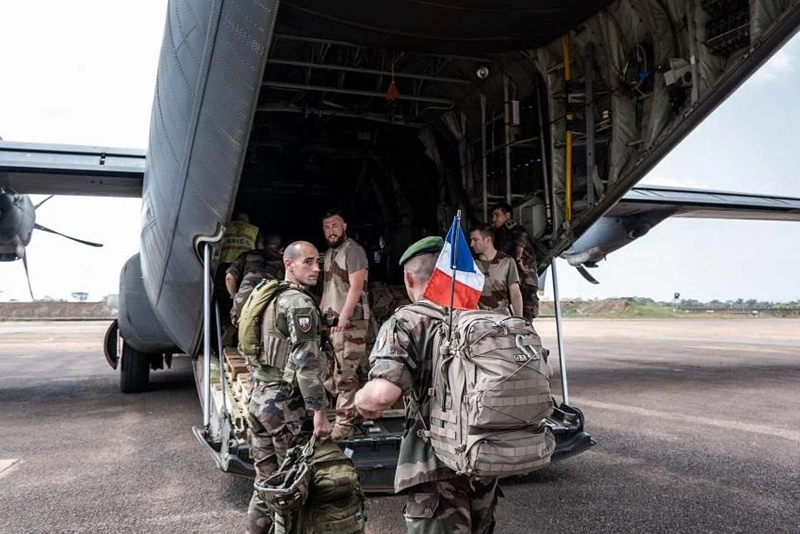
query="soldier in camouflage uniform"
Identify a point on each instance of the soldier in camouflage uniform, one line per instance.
(249, 269)
(501, 287)
(439, 501)
(511, 238)
(288, 401)
(345, 311)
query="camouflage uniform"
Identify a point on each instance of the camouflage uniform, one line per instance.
(501, 273)
(439, 501)
(506, 239)
(288, 385)
(249, 269)
(350, 345)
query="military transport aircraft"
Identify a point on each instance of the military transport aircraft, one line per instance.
(401, 112)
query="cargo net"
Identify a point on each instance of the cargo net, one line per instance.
(728, 27)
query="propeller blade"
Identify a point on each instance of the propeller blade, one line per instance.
(36, 207)
(81, 241)
(27, 275)
(586, 275)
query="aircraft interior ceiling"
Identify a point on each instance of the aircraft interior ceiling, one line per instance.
(440, 26)
(401, 120)
(329, 138)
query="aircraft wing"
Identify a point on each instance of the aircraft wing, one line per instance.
(643, 207)
(704, 204)
(37, 168)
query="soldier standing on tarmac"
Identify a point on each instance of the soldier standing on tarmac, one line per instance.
(288, 401)
(345, 311)
(439, 501)
(511, 238)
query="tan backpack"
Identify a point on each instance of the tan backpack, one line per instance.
(489, 395)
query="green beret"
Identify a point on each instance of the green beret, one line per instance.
(425, 245)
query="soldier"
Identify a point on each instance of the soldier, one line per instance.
(511, 238)
(345, 311)
(240, 236)
(438, 501)
(501, 289)
(250, 268)
(288, 399)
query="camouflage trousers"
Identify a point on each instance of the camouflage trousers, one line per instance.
(278, 421)
(454, 506)
(530, 301)
(350, 351)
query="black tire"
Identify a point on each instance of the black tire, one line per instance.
(134, 374)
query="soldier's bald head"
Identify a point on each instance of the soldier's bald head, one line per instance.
(296, 250)
(301, 260)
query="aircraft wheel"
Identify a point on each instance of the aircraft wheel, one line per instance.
(134, 372)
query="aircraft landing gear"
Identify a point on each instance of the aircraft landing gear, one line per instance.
(134, 372)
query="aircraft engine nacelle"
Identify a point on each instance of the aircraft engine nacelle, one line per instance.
(16, 225)
(609, 234)
(138, 324)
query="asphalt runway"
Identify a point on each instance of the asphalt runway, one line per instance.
(697, 423)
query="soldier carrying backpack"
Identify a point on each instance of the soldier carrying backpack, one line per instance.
(279, 336)
(476, 398)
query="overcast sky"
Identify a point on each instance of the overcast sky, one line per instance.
(83, 72)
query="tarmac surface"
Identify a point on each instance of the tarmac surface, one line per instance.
(697, 423)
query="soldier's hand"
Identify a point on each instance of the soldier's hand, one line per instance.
(342, 322)
(322, 427)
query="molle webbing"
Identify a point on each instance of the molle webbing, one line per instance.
(259, 313)
(275, 346)
(489, 397)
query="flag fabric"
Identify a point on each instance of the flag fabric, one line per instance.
(469, 279)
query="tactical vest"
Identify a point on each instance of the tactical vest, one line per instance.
(337, 283)
(263, 345)
(275, 346)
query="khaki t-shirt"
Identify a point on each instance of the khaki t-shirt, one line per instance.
(500, 273)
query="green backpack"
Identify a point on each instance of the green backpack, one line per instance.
(315, 491)
(251, 315)
(336, 503)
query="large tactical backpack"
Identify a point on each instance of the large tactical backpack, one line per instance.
(315, 491)
(336, 503)
(251, 315)
(489, 395)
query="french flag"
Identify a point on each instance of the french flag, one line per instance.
(455, 259)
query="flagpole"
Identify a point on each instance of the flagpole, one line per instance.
(453, 264)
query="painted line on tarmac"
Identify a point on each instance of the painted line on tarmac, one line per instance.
(791, 435)
(6, 466)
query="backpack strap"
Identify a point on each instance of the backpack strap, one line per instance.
(430, 310)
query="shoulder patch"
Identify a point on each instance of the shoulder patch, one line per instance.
(382, 339)
(303, 322)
